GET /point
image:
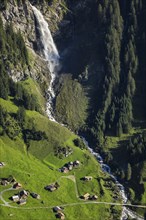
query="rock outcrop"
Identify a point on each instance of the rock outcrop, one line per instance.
(22, 18)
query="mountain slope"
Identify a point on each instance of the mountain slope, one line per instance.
(34, 175)
(99, 93)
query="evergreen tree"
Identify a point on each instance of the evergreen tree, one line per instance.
(2, 119)
(129, 172)
(21, 115)
(3, 5)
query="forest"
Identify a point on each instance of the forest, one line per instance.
(100, 90)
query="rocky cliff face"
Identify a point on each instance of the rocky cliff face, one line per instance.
(22, 18)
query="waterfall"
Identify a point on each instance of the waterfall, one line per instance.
(50, 54)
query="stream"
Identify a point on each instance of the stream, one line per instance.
(51, 55)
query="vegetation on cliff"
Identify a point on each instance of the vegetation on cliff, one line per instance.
(101, 93)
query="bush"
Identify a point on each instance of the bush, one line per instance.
(79, 143)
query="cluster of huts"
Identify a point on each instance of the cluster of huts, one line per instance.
(69, 166)
(7, 181)
(10, 180)
(21, 197)
(87, 196)
(59, 212)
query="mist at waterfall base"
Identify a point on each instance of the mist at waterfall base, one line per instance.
(52, 57)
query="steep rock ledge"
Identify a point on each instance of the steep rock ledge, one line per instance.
(22, 18)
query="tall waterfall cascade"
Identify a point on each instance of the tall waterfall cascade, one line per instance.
(50, 54)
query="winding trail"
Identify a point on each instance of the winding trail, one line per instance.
(72, 178)
(1, 196)
(73, 204)
(51, 55)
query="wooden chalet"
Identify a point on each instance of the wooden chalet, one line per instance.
(64, 170)
(35, 195)
(22, 202)
(2, 164)
(60, 215)
(23, 194)
(15, 198)
(86, 196)
(94, 197)
(17, 185)
(76, 163)
(51, 187)
(4, 182)
(57, 209)
(87, 178)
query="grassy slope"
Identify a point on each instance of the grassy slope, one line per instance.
(33, 173)
(9, 106)
(33, 88)
(57, 135)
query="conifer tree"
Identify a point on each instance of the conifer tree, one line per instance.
(129, 172)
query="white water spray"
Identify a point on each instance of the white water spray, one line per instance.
(126, 212)
(50, 54)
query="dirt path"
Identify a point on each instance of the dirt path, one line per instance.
(72, 178)
(1, 196)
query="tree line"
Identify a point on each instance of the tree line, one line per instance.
(13, 55)
(123, 36)
(19, 125)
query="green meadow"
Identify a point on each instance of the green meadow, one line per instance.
(34, 174)
(35, 165)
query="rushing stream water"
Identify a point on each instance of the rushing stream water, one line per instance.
(51, 55)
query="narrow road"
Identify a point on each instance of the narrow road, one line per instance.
(75, 204)
(1, 197)
(72, 178)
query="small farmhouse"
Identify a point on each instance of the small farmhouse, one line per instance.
(94, 197)
(60, 215)
(15, 198)
(2, 164)
(35, 195)
(17, 186)
(87, 178)
(22, 202)
(23, 194)
(76, 163)
(57, 209)
(4, 182)
(64, 170)
(52, 187)
(85, 196)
